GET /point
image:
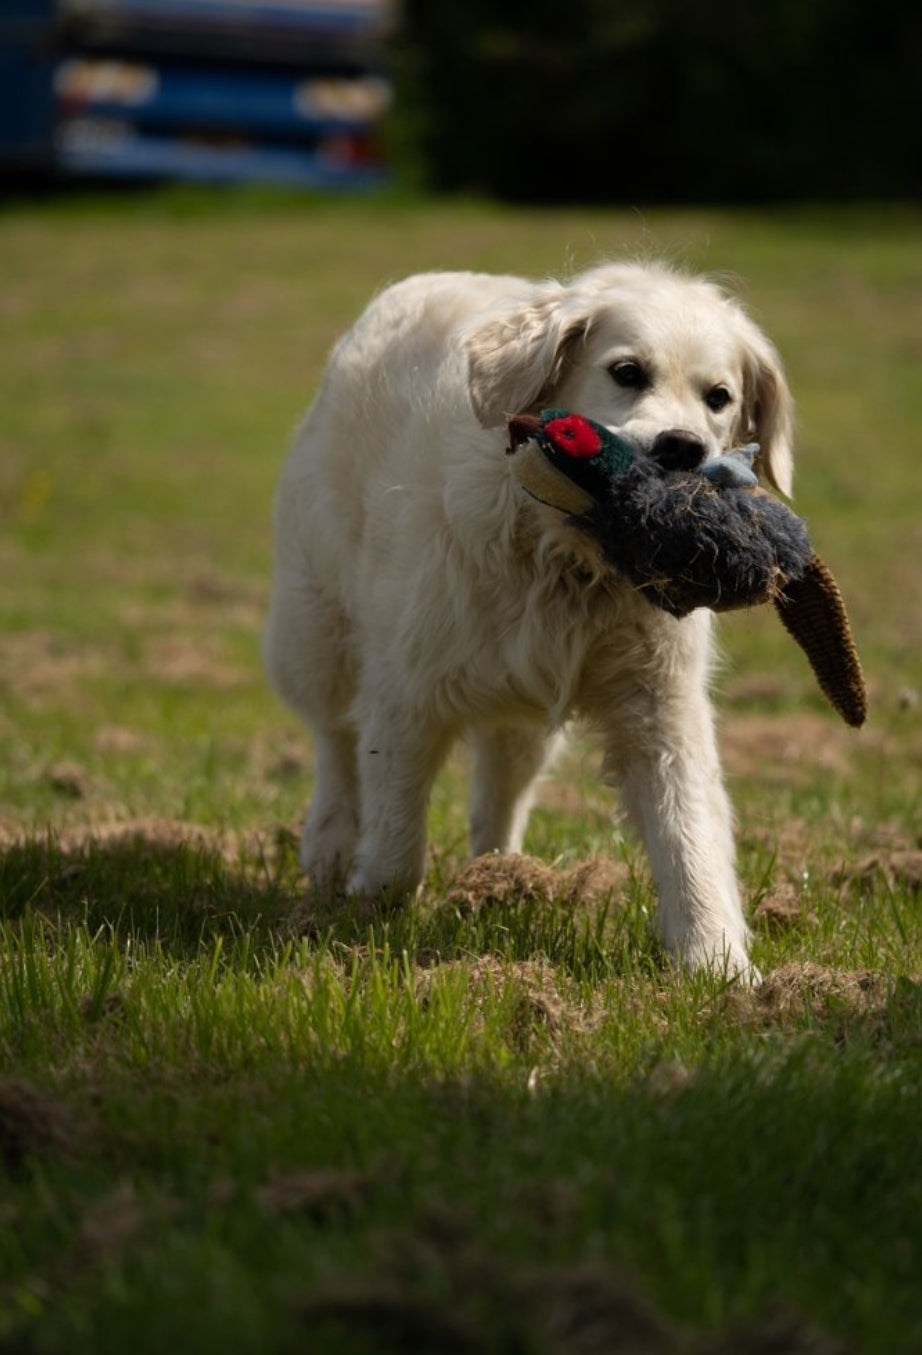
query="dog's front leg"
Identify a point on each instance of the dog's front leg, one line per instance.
(666, 763)
(400, 750)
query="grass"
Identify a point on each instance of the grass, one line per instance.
(497, 1121)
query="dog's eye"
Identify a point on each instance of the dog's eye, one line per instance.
(630, 375)
(717, 398)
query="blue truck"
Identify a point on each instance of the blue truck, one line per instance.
(216, 91)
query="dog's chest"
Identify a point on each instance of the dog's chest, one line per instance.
(561, 649)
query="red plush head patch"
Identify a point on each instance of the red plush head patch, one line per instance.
(574, 436)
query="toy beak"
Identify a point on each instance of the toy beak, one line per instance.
(522, 428)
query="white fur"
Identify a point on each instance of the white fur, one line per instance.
(420, 594)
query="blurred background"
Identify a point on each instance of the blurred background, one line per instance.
(598, 101)
(220, 91)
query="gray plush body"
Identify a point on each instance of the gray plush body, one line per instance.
(686, 544)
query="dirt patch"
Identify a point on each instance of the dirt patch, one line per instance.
(485, 1306)
(322, 1196)
(111, 1008)
(760, 689)
(783, 909)
(774, 1334)
(69, 779)
(793, 987)
(794, 748)
(792, 842)
(108, 1224)
(819, 992)
(668, 1079)
(871, 852)
(593, 1312)
(38, 663)
(163, 834)
(32, 1124)
(514, 878)
(533, 1008)
(322, 911)
(395, 1319)
(178, 661)
(786, 750)
(153, 832)
(165, 868)
(896, 869)
(119, 740)
(493, 881)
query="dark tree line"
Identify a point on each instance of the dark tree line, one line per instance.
(655, 100)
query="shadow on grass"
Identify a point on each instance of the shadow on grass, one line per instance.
(149, 884)
(185, 888)
(410, 1214)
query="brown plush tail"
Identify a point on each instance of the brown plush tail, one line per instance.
(813, 612)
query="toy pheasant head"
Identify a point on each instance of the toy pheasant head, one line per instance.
(566, 460)
(692, 536)
(558, 450)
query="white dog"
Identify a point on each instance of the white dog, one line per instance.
(421, 594)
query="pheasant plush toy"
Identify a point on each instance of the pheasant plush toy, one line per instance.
(692, 535)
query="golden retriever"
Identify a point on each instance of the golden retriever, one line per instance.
(420, 594)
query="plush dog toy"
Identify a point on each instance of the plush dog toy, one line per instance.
(689, 535)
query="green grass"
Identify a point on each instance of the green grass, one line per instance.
(228, 1124)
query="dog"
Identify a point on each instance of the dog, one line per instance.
(420, 594)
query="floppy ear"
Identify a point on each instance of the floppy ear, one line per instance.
(769, 414)
(516, 360)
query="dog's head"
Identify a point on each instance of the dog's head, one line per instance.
(665, 359)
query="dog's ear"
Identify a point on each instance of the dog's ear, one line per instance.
(769, 413)
(516, 360)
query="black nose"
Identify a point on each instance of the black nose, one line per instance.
(676, 449)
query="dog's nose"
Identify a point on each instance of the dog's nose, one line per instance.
(677, 449)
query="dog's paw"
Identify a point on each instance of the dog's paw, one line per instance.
(383, 891)
(327, 848)
(723, 958)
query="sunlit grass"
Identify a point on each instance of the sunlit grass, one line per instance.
(230, 1121)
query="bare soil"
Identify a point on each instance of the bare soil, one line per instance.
(151, 831)
(580, 1310)
(32, 1124)
(846, 997)
(538, 1008)
(895, 868)
(322, 1196)
(518, 878)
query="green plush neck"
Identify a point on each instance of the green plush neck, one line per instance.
(615, 455)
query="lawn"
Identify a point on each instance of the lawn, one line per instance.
(231, 1121)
